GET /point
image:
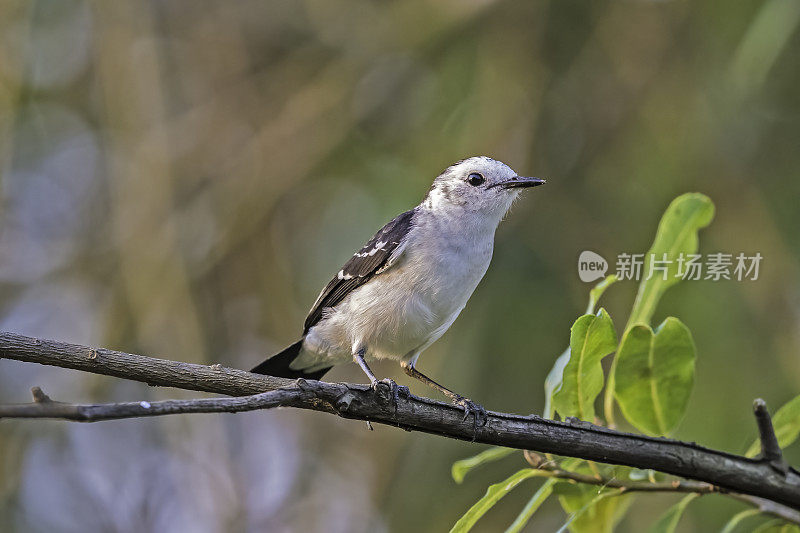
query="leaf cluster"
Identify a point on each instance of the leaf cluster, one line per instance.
(650, 379)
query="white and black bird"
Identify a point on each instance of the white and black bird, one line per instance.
(406, 286)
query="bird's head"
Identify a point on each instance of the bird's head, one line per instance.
(478, 185)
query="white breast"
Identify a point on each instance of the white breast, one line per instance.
(402, 310)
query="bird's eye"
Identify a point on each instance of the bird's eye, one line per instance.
(475, 179)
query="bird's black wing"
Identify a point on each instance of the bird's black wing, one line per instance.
(371, 260)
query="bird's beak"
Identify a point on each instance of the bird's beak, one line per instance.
(519, 182)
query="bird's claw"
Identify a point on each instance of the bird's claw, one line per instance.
(477, 410)
(395, 391)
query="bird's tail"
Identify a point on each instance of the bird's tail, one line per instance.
(278, 365)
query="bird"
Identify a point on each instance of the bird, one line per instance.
(406, 286)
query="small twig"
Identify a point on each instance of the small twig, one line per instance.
(44, 407)
(681, 486)
(768, 507)
(39, 396)
(770, 449)
(624, 485)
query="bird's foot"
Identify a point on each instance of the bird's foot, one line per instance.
(394, 391)
(477, 410)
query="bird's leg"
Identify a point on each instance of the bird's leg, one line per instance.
(394, 389)
(358, 357)
(465, 403)
(416, 374)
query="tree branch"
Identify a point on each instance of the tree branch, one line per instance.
(626, 485)
(770, 450)
(769, 507)
(754, 477)
(44, 407)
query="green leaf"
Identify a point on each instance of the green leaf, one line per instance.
(593, 510)
(598, 290)
(461, 468)
(777, 526)
(669, 520)
(592, 337)
(738, 517)
(553, 380)
(654, 375)
(787, 426)
(532, 506)
(493, 495)
(677, 234)
(588, 512)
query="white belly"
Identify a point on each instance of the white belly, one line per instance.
(398, 313)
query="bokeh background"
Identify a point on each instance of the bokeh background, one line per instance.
(179, 179)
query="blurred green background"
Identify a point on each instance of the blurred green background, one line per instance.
(179, 179)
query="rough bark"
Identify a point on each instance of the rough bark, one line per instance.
(762, 477)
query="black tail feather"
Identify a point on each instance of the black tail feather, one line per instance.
(278, 365)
